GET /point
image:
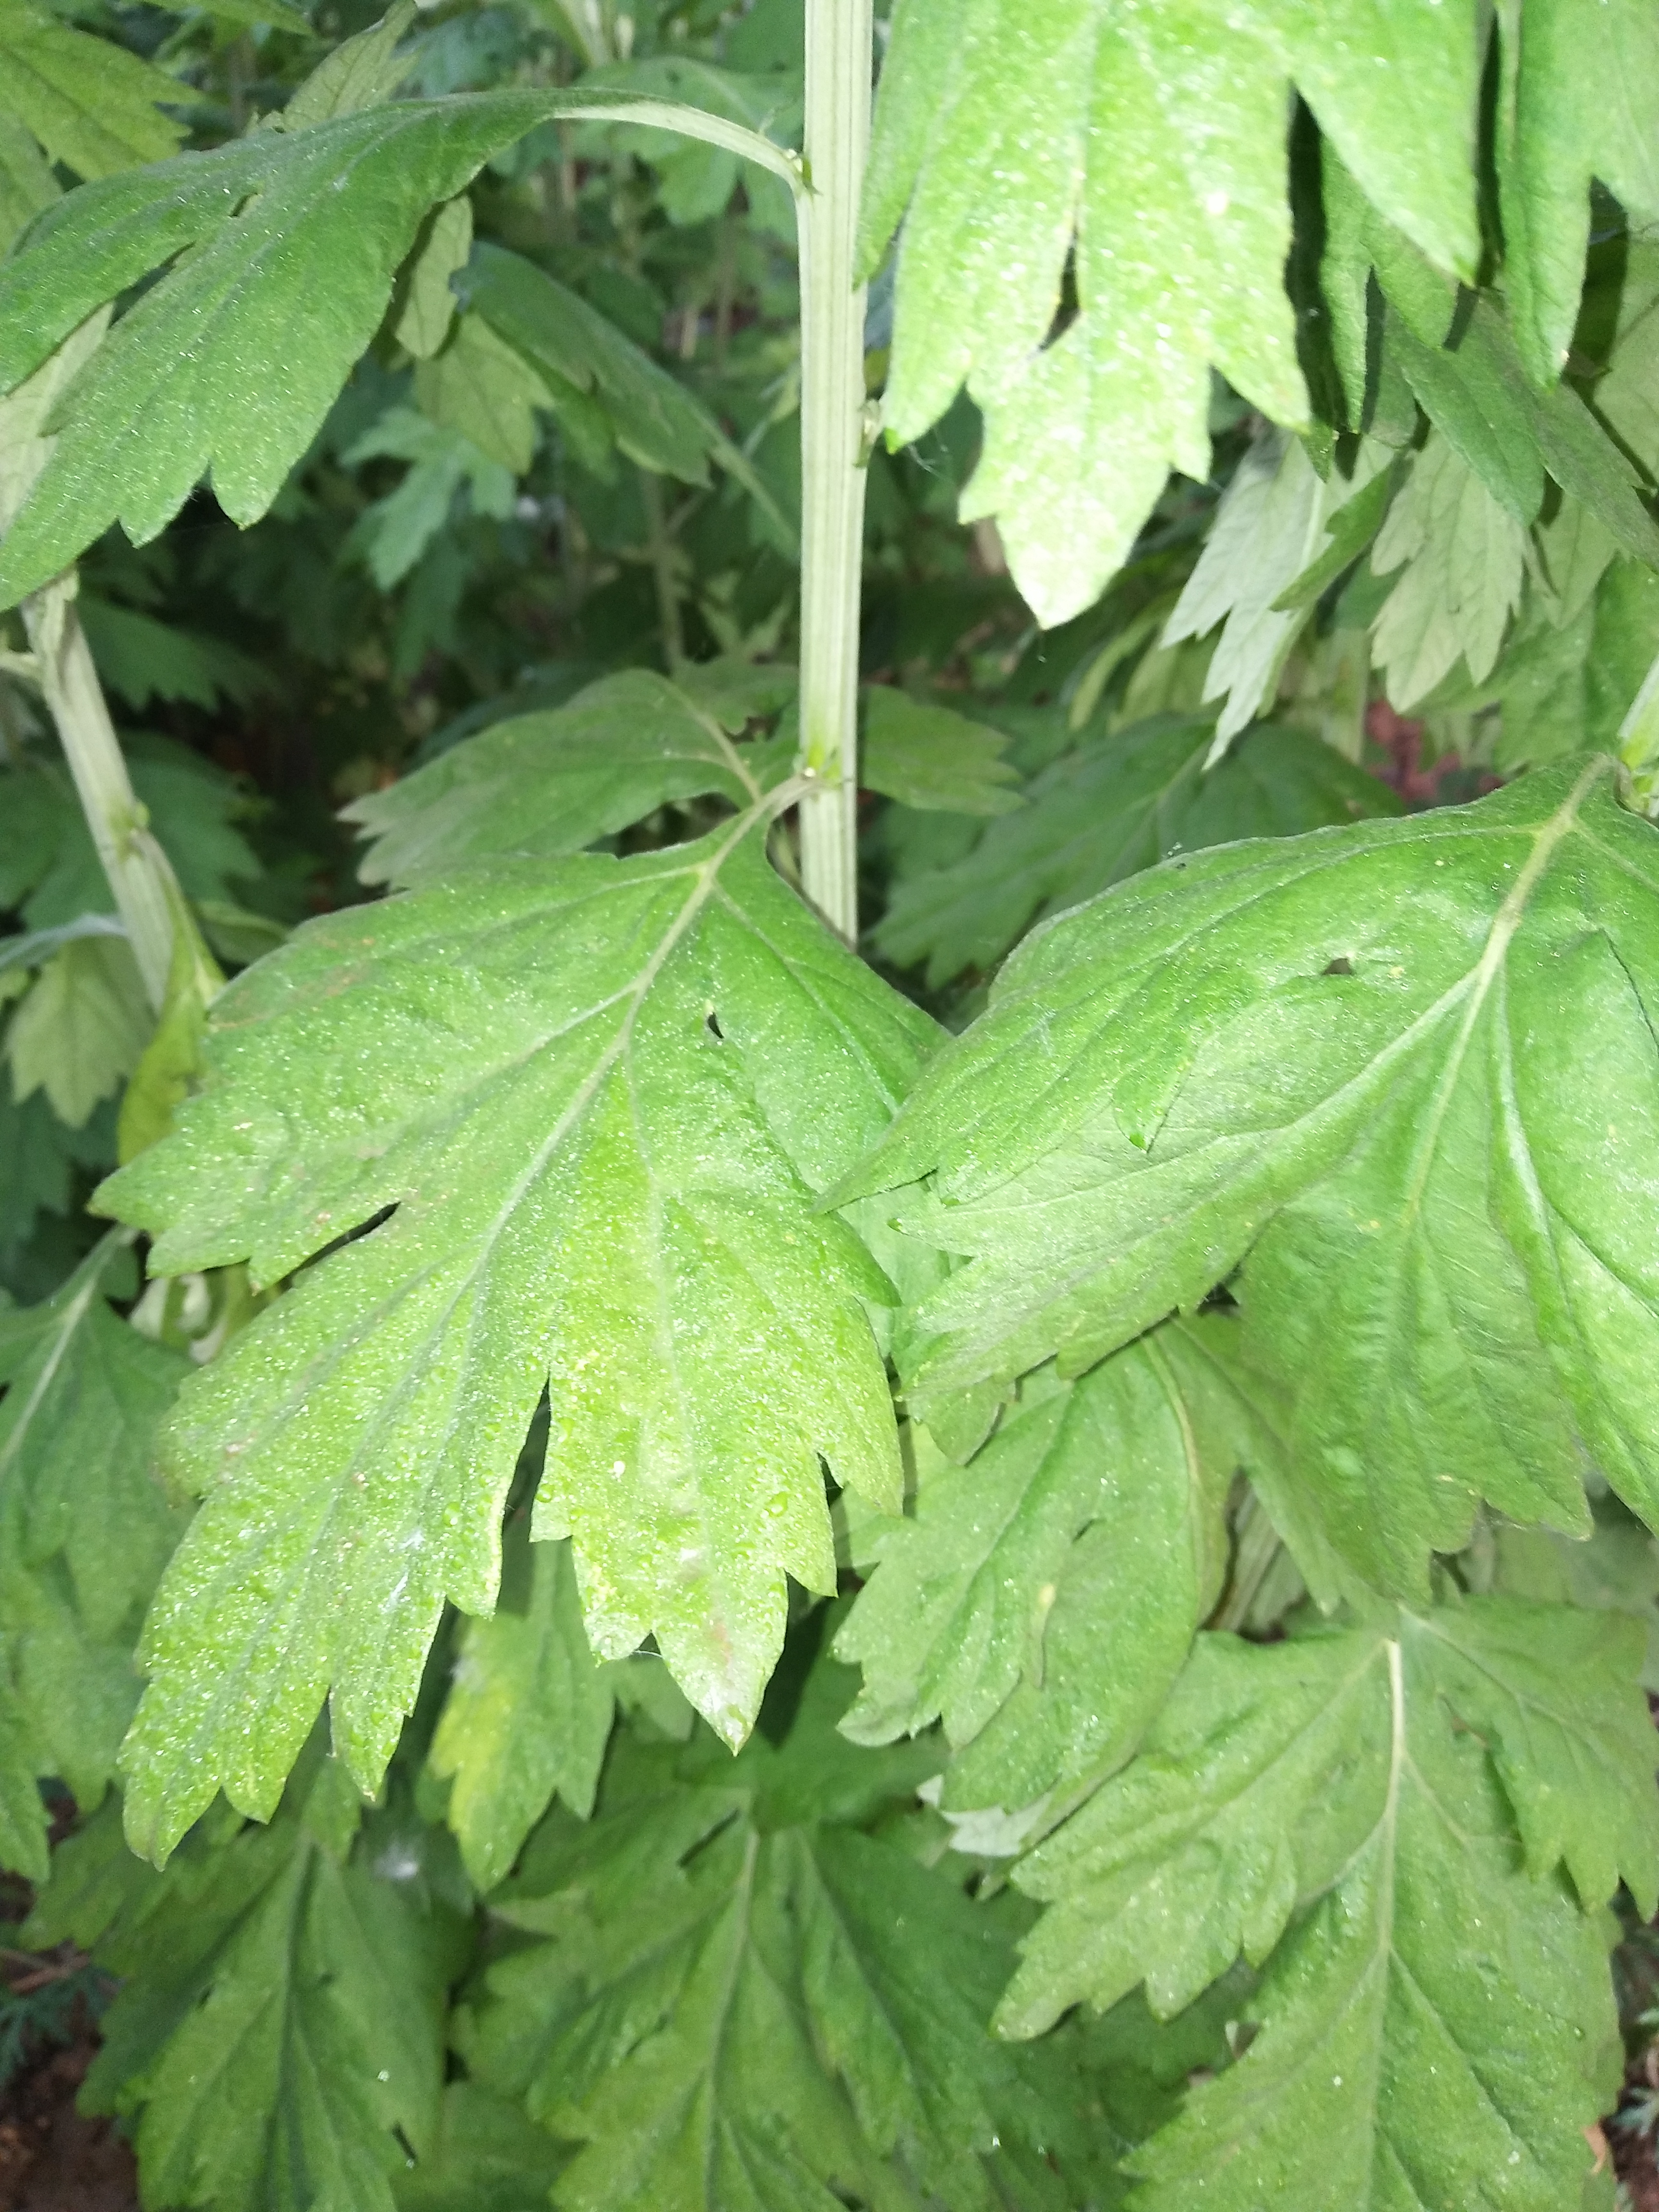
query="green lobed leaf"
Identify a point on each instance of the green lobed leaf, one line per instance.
(1484, 370)
(1540, 688)
(747, 2003)
(1456, 356)
(85, 1529)
(392, 533)
(486, 2157)
(1568, 688)
(1463, 561)
(1575, 101)
(634, 403)
(294, 237)
(143, 660)
(49, 867)
(1616, 1569)
(928, 757)
(424, 304)
(528, 1712)
(1625, 395)
(1553, 1692)
(27, 183)
(1044, 1597)
(547, 784)
(1253, 1791)
(1438, 2022)
(602, 1097)
(1266, 536)
(81, 1028)
(1574, 550)
(1149, 145)
(1115, 805)
(23, 1817)
(363, 71)
(477, 386)
(1357, 1060)
(91, 104)
(279, 2036)
(38, 1157)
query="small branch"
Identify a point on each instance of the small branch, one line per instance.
(642, 109)
(140, 875)
(146, 890)
(839, 54)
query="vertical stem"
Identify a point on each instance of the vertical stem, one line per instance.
(145, 889)
(138, 870)
(838, 71)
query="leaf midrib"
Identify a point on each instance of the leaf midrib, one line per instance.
(1351, 1095)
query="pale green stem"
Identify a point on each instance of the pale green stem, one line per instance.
(145, 889)
(140, 875)
(838, 71)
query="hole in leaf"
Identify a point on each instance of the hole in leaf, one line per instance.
(712, 1023)
(349, 1237)
(1068, 305)
(1341, 966)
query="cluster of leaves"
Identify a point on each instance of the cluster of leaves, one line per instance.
(715, 1981)
(1242, 1700)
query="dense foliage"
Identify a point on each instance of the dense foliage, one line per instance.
(694, 1518)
